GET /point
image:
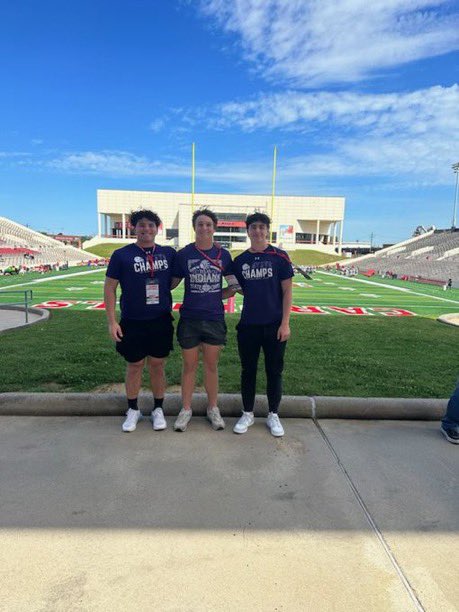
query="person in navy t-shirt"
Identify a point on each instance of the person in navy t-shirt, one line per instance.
(202, 264)
(265, 275)
(144, 272)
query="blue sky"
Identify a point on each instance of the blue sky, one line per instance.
(361, 98)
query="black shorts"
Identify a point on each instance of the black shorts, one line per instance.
(191, 333)
(153, 338)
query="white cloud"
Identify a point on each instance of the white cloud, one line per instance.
(121, 164)
(313, 42)
(401, 138)
(12, 154)
(113, 163)
(157, 125)
(382, 113)
(403, 134)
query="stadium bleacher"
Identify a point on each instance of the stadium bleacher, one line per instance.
(21, 246)
(433, 255)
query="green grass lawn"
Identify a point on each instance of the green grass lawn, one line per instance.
(16, 279)
(104, 250)
(406, 357)
(361, 352)
(306, 257)
(413, 286)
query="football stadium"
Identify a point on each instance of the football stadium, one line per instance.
(229, 306)
(361, 471)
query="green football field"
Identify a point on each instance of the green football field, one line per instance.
(326, 294)
(349, 337)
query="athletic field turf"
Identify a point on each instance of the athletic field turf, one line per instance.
(359, 339)
(326, 294)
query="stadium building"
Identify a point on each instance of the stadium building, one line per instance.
(299, 222)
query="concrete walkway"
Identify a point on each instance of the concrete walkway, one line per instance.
(12, 317)
(337, 515)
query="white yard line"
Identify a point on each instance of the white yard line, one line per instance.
(360, 280)
(51, 278)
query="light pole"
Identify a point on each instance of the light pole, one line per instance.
(455, 168)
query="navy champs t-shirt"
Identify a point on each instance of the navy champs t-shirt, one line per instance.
(203, 271)
(130, 266)
(260, 276)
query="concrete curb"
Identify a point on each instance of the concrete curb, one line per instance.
(114, 404)
(44, 315)
(450, 319)
(411, 409)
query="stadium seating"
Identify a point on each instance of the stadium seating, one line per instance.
(434, 255)
(17, 240)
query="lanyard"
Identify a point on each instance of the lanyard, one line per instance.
(214, 262)
(150, 259)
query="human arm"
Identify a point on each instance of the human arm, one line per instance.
(283, 333)
(232, 288)
(178, 269)
(114, 328)
(228, 292)
(233, 284)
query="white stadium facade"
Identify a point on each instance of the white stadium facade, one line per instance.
(298, 222)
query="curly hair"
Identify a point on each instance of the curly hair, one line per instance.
(144, 214)
(207, 213)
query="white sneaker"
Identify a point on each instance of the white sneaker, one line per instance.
(244, 423)
(182, 420)
(273, 423)
(158, 420)
(132, 417)
(215, 418)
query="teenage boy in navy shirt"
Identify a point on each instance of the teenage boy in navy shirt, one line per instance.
(201, 327)
(144, 272)
(265, 275)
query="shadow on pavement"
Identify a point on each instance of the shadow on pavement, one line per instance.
(82, 472)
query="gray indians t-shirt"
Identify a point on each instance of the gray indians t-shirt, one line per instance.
(203, 271)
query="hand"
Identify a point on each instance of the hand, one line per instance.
(115, 331)
(283, 333)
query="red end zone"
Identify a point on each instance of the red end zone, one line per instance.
(356, 311)
(230, 307)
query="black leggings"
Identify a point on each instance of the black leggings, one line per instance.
(250, 339)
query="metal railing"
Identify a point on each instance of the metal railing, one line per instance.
(26, 302)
